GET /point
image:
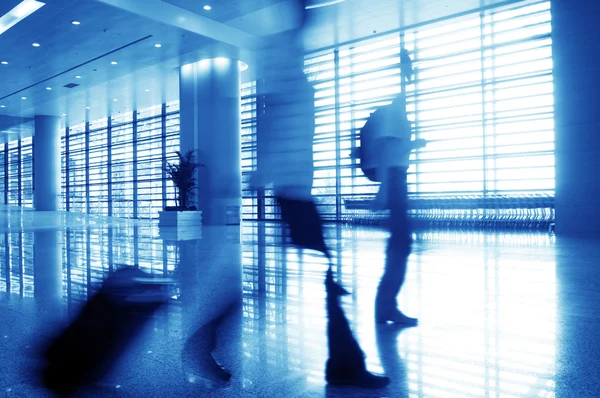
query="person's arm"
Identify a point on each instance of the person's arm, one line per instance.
(417, 144)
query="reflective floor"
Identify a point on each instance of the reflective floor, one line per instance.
(501, 315)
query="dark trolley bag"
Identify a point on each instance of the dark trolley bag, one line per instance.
(89, 347)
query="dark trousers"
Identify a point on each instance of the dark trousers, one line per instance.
(399, 243)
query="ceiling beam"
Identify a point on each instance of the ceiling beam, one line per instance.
(169, 14)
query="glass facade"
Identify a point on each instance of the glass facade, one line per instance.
(114, 166)
(482, 95)
(16, 172)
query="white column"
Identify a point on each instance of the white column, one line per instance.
(210, 122)
(46, 163)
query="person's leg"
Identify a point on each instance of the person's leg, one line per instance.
(398, 250)
(390, 155)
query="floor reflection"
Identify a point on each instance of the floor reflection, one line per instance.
(487, 305)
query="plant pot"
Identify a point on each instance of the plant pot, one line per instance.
(179, 219)
(180, 225)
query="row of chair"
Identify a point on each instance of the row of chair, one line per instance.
(521, 211)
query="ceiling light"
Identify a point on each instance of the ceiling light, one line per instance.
(36, 44)
(76, 23)
(23, 98)
(207, 7)
(2, 106)
(322, 3)
(87, 107)
(147, 90)
(113, 63)
(115, 99)
(4, 63)
(158, 45)
(77, 77)
(24, 9)
(48, 88)
(64, 114)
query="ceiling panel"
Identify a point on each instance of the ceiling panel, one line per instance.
(105, 35)
(224, 10)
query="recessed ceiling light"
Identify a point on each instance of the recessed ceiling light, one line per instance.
(115, 99)
(77, 77)
(36, 44)
(4, 63)
(147, 90)
(23, 98)
(87, 107)
(76, 23)
(48, 88)
(158, 45)
(64, 114)
(207, 7)
(2, 106)
(113, 63)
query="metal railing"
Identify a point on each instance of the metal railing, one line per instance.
(524, 211)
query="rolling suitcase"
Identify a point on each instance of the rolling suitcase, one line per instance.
(107, 324)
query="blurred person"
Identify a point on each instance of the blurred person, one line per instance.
(286, 129)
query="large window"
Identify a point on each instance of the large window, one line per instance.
(122, 164)
(124, 157)
(16, 172)
(249, 150)
(150, 162)
(114, 167)
(481, 94)
(171, 145)
(77, 196)
(26, 172)
(483, 97)
(98, 167)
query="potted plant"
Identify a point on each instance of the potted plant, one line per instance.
(183, 176)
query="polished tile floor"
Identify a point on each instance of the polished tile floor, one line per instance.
(502, 314)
